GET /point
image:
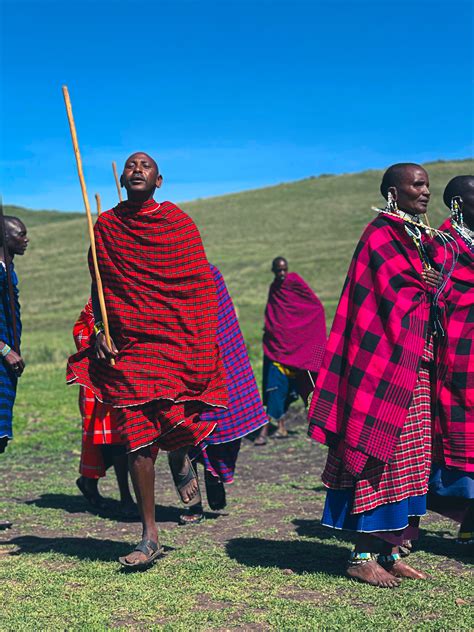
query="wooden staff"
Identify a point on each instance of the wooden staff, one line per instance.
(11, 296)
(97, 201)
(117, 182)
(100, 289)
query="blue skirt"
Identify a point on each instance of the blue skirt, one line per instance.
(279, 390)
(390, 517)
(447, 482)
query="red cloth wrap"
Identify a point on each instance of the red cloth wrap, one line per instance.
(365, 386)
(456, 402)
(99, 421)
(295, 325)
(162, 309)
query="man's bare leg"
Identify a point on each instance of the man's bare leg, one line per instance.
(121, 472)
(281, 430)
(142, 471)
(262, 437)
(180, 463)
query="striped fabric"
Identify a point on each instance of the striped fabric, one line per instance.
(365, 386)
(162, 309)
(8, 380)
(407, 473)
(245, 412)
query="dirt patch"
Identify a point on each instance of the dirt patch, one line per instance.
(302, 595)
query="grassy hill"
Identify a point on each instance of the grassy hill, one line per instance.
(315, 223)
(266, 563)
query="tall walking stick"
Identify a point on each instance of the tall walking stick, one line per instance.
(98, 204)
(11, 297)
(100, 289)
(117, 183)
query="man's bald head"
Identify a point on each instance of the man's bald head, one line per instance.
(142, 154)
(15, 232)
(140, 177)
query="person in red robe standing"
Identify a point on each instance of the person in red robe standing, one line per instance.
(371, 403)
(293, 344)
(452, 476)
(102, 445)
(162, 309)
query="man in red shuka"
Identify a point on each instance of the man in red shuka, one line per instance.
(162, 310)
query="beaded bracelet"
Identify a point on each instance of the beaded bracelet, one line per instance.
(6, 350)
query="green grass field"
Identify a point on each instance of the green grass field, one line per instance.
(266, 563)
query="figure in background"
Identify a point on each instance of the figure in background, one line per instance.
(245, 413)
(12, 364)
(102, 445)
(294, 340)
(452, 476)
(162, 309)
(371, 404)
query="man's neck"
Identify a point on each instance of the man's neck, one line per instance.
(2, 254)
(140, 198)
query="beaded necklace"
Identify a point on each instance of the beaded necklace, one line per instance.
(465, 233)
(412, 228)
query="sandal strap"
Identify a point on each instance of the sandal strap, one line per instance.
(356, 558)
(145, 546)
(181, 480)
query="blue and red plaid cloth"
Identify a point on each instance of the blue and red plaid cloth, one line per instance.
(245, 412)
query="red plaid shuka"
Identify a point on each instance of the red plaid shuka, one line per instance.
(162, 308)
(366, 383)
(456, 401)
(99, 421)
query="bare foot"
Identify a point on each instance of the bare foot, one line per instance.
(372, 573)
(260, 440)
(184, 475)
(401, 569)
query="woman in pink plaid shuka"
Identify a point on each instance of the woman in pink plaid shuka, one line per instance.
(371, 403)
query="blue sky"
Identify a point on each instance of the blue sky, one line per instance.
(228, 94)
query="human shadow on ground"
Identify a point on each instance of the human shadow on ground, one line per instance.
(75, 504)
(435, 543)
(314, 529)
(295, 556)
(92, 549)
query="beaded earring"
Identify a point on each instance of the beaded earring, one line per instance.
(456, 210)
(391, 203)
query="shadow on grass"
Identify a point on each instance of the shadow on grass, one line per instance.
(314, 529)
(433, 542)
(77, 504)
(299, 556)
(91, 549)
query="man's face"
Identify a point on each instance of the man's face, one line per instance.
(280, 270)
(17, 239)
(412, 193)
(140, 174)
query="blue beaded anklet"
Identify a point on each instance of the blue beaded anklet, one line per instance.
(355, 558)
(388, 559)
